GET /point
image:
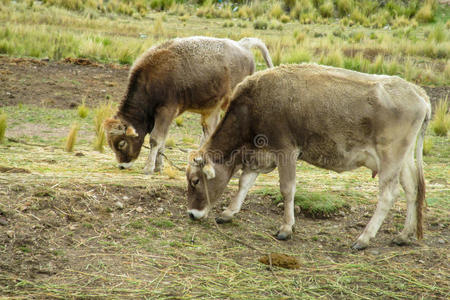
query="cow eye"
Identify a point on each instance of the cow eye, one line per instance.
(122, 144)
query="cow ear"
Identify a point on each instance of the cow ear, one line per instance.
(131, 132)
(209, 171)
(114, 126)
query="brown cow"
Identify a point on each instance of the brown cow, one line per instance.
(194, 74)
(332, 118)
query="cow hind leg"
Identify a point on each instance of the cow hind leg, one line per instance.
(163, 119)
(388, 191)
(246, 181)
(408, 180)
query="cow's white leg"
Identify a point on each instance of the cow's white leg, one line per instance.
(209, 123)
(408, 180)
(388, 190)
(163, 119)
(286, 170)
(246, 181)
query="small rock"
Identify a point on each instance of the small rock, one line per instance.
(297, 210)
(119, 205)
(139, 209)
(3, 221)
(10, 234)
(160, 210)
(341, 213)
(441, 241)
(72, 227)
(79, 154)
(126, 198)
(280, 205)
(421, 261)
(374, 252)
(45, 59)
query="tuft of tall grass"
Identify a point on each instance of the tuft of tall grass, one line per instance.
(72, 137)
(441, 121)
(260, 24)
(438, 34)
(345, 7)
(326, 9)
(427, 146)
(170, 171)
(158, 28)
(170, 143)
(82, 109)
(179, 121)
(102, 112)
(277, 53)
(426, 12)
(335, 59)
(275, 25)
(298, 56)
(3, 126)
(276, 11)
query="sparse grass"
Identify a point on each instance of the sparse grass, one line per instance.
(425, 13)
(82, 109)
(170, 171)
(72, 137)
(427, 146)
(441, 121)
(102, 112)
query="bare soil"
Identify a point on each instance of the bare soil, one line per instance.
(65, 83)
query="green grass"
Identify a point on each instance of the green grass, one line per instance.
(82, 109)
(71, 138)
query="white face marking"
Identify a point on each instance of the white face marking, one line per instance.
(126, 165)
(198, 214)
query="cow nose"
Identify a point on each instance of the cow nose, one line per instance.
(121, 167)
(191, 215)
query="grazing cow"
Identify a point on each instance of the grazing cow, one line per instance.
(194, 74)
(332, 118)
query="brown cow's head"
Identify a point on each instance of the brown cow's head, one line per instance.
(202, 175)
(124, 141)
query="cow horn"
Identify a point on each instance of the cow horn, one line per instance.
(114, 126)
(195, 158)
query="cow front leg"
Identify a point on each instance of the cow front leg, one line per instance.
(286, 170)
(246, 181)
(388, 191)
(163, 119)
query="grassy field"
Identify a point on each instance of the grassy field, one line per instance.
(74, 226)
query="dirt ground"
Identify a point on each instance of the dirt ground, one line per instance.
(64, 84)
(122, 235)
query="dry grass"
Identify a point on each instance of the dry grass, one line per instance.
(82, 109)
(72, 137)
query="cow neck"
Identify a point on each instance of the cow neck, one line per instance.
(135, 107)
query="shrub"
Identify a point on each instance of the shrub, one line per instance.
(425, 13)
(400, 22)
(427, 146)
(82, 109)
(170, 143)
(357, 36)
(326, 9)
(345, 7)
(71, 137)
(285, 19)
(276, 10)
(3, 126)
(171, 172)
(299, 37)
(274, 24)
(260, 24)
(438, 34)
(179, 121)
(102, 112)
(334, 58)
(441, 121)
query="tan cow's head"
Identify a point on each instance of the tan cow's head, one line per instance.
(124, 141)
(202, 175)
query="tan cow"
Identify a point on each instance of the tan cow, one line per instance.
(332, 118)
(194, 74)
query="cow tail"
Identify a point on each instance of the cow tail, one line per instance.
(420, 199)
(249, 43)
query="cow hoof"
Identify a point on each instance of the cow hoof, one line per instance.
(359, 246)
(222, 220)
(148, 171)
(283, 236)
(401, 241)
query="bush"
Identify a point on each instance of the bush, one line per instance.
(425, 13)
(345, 7)
(438, 34)
(274, 24)
(285, 19)
(276, 10)
(441, 121)
(335, 59)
